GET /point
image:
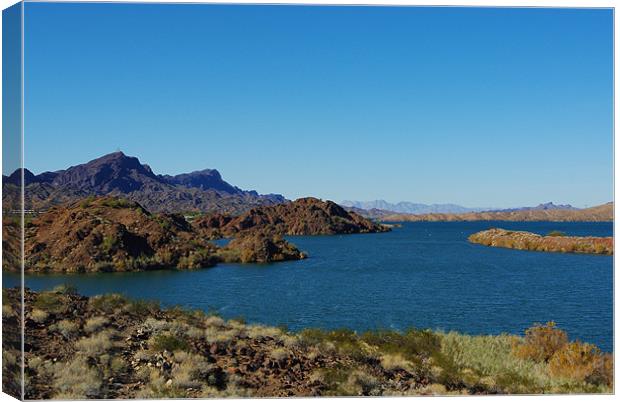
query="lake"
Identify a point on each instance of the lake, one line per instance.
(423, 274)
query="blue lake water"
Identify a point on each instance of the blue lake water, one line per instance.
(424, 275)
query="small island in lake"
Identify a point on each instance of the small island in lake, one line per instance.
(553, 242)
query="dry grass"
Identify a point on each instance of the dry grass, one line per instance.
(96, 344)
(395, 362)
(38, 316)
(65, 327)
(94, 324)
(76, 380)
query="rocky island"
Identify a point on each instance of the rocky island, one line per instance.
(305, 216)
(111, 347)
(99, 234)
(555, 242)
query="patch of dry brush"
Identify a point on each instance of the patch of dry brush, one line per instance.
(141, 351)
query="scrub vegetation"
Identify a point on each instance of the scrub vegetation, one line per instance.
(111, 347)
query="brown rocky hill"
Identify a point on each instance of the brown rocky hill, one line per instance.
(115, 234)
(601, 213)
(305, 216)
(117, 174)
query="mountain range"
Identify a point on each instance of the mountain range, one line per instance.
(599, 213)
(407, 207)
(121, 175)
(378, 208)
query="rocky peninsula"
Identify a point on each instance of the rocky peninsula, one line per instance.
(554, 242)
(111, 347)
(99, 234)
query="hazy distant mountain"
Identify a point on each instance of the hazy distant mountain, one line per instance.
(119, 174)
(406, 207)
(548, 206)
(600, 213)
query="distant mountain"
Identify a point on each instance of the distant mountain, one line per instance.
(600, 213)
(548, 206)
(409, 207)
(121, 175)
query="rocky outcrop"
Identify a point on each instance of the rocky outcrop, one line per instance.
(305, 216)
(260, 246)
(531, 241)
(117, 174)
(115, 234)
(601, 213)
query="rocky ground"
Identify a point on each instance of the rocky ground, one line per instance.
(110, 347)
(556, 242)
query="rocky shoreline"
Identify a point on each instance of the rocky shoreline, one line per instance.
(108, 234)
(107, 346)
(556, 242)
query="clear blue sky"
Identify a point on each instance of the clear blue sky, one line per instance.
(475, 106)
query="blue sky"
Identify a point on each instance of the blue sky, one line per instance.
(476, 106)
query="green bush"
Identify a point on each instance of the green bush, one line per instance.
(168, 342)
(556, 233)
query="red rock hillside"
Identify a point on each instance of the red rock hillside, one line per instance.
(305, 216)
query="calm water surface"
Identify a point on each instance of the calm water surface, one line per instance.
(423, 274)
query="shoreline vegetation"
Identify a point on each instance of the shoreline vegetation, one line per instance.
(552, 242)
(113, 234)
(108, 346)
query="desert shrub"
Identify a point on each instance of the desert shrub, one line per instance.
(50, 302)
(95, 323)
(96, 344)
(156, 386)
(86, 202)
(260, 331)
(492, 360)
(220, 335)
(395, 362)
(38, 316)
(108, 303)
(556, 233)
(361, 383)
(603, 372)
(110, 243)
(191, 370)
(214, 321)
(168, 342)
(345, 340)
(575, 361)
(141, 307)
(65, 327)
(412, 344)
(279, 354)
(7, 311)
(540, 342)
(195, 333)
(76, 380)
(115, 202)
